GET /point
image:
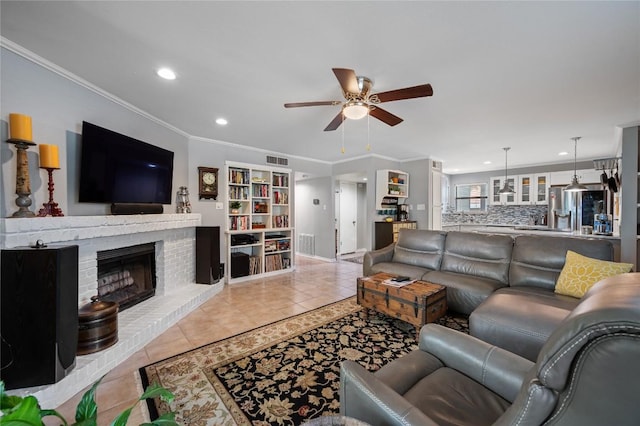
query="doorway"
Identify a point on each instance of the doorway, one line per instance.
(348, 218)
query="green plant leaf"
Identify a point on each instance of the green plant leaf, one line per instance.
(167, 419)
(154, 390)
(26, 412)
(45, 413)
(87, 409)
(123, 417)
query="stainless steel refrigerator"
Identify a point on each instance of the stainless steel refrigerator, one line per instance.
(572, 210)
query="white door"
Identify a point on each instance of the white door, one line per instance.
(348, 215)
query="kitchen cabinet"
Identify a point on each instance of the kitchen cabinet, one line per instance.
(387, 232)
(585, 176)
(391, 184)
(533, 189)
(496, 184)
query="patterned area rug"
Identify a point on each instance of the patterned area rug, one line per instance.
(283, 373)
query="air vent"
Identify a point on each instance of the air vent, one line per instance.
(277, 160)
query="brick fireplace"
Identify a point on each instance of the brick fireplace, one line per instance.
(173, 238)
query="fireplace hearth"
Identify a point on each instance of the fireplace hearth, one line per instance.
(127, 275)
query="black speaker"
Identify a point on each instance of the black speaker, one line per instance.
(39, 302)
(131, 208)
(239, 265)
(207, 254)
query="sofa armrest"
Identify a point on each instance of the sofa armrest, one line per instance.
(365, 397)
(384, 254)
(501, 371)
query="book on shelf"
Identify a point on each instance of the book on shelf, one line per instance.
(280, 180)
(254, 265)
(280, 197)
(239, 176)
(275, 262)
(237, 223)
(280, 221)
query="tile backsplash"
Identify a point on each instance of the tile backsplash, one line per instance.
(499, 215)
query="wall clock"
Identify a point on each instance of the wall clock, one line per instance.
(207, 183)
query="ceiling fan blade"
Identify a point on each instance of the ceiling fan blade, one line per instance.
(306, 104)
(406, 93)
(347, 79)
(335, 123)
(385, 116)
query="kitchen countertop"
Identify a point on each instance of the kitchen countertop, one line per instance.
(522, 230)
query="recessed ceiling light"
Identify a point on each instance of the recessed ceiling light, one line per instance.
(221, 121)
(166, 73)
(487, 162)
(563, 153)
(364, 178)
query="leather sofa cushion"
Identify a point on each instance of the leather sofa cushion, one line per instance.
(520, 319)
(420, 247)
(450, 398)
(479, 255)
(400, 269)
(464, 292)
(537, 260)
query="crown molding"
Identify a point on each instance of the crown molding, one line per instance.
(44, 63)
(39, 60)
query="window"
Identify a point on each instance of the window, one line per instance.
(471, 197)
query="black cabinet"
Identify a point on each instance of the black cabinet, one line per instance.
(39, 314)
(208, 269)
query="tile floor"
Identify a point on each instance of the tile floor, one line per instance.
(237, 308)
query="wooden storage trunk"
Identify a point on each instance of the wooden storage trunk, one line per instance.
(417, 303)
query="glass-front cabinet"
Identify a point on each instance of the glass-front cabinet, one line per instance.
(533, 188)
(496, 184)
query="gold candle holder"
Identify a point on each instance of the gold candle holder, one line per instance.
(23, 184)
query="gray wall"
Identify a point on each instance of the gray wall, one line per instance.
(316, 219)
(57, 107)
(418, 190)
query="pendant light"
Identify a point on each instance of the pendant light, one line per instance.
(506, 189)
(575, 186)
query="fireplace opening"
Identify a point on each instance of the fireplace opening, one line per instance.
(127, 275)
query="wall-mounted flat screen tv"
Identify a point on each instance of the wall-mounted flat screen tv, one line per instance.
(115, 168)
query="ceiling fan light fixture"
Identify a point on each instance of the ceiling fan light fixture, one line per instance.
(355, 110)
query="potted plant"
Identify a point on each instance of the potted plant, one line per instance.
(19, 411)
(235, 207)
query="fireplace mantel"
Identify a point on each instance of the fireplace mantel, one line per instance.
(177, 294)
(16, 232)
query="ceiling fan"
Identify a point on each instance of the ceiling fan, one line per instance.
(359, 101)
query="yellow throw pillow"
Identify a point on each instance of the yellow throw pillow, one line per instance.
(580, 273)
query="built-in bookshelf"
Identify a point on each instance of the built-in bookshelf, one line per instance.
(258, 215)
